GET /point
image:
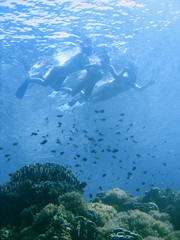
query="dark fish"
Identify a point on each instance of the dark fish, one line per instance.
(165, 164)
(101, 111)
(103, 119)
(7, 155)
(100, 139)
(1, 148)
(129, 175)
(59, 115)
(53, 151)
(122, 114)
(138, 155)
(43, 142)
(134, 168)
(101, 134)
(58, 141)
(100, 188)
(78, 155)
(15, 143)
(151, 185)
(104, 175)
(59, 124)
(61, 153)
(115, 150)
(77, 165)
(46, 119)
(45, 136)
(91, 139)
(138, 189)
(84, 159)
(93, 151)
(34, 134)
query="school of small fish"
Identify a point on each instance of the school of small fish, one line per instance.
(94, 150)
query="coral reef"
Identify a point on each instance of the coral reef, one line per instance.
(122, 201)
(74, 202)
(123, 235)
(33, 187)
(168, 201)
(45, 202)
(112, 197)
(84, 229)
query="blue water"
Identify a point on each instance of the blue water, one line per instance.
(135, 140)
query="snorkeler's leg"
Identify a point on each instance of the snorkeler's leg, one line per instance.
(22, 89)
(88, 91)
(78, 88)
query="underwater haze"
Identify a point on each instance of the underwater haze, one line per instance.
(130, 140)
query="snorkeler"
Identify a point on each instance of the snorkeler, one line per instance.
(94, 73)
(122, 82)
(58, 74)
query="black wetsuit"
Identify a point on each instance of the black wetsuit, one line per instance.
(58, 74)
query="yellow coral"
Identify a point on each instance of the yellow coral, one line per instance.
(142, 223)
(103, 212)
(43, 218)
(74, 202)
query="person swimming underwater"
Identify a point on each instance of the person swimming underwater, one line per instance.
(58, 74)
(94, 73)
(122, 82)
(126, 80)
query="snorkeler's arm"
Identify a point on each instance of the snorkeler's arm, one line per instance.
(138, 88)
(112, 71)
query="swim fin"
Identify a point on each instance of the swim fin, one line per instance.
(22, 89)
